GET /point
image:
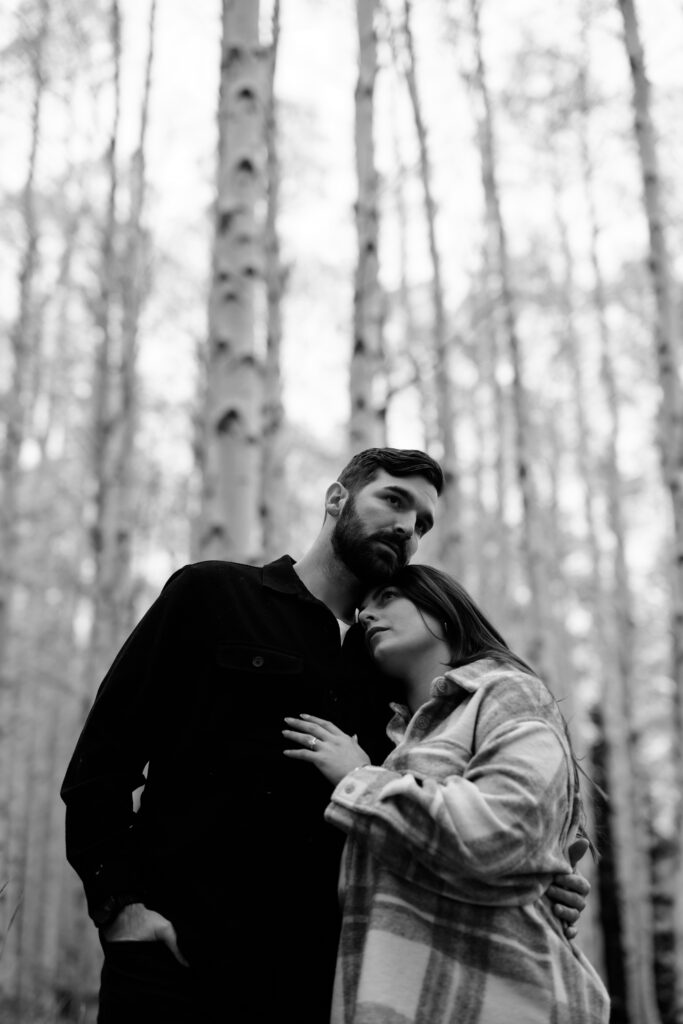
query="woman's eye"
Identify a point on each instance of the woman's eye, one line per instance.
(393, 500)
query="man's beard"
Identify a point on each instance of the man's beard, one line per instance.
(362, 553)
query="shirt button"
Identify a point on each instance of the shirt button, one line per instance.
(421, 722)
(349, 787)
(257, 661)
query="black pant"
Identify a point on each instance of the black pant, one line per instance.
(143, 983)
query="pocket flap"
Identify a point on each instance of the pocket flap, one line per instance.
(253, 658)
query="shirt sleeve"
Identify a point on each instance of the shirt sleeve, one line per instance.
(134, 705)
(504, 818)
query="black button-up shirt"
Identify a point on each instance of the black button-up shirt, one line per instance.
(229, 841)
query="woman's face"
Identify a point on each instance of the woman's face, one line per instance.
(397, 632)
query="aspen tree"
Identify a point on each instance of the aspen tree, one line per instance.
(102, 641)
(532, 536)
(272, 466)
(365, 425)
(667, 352)
(21, 341)
(410, 331)
(234, 393)
(497, 549)
(125, 422)
(23, 337)
(624, 778)
(105, 397)
(450, 530)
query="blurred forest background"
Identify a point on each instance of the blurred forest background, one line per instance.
(238, 242)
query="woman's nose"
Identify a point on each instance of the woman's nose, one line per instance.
(365, 617)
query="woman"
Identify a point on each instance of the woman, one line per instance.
(452, 843)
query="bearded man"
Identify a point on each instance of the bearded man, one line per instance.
(216, 900)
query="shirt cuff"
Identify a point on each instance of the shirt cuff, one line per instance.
(356, 795)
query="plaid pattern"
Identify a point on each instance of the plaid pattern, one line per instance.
(451, 845)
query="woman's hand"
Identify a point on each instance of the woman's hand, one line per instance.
(332, 751)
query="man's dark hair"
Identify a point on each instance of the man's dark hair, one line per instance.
(365, 465)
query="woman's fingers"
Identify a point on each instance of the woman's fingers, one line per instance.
(323, 724)
(295, 725)
(306, 739)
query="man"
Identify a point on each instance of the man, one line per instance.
(216, 901)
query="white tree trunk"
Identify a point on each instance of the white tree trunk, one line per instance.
(23, 337)
(449, 527)
(272, 499)
(667, 351)
(532, 529)
(234, 399)
(365, 426)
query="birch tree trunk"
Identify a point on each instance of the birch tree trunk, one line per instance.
(626, 783)
(23, 340)
(134, 284)
(450, 526)
(532, 534)
(498, 545)
(667, 351)
(409, 325)
(272, 503)
(234, 400)
(365, 428)
(106, 400)
(102, 642)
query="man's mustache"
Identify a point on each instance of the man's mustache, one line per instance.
(399, 546)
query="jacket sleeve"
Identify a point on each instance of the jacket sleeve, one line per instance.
(506, 817)
(137, 700)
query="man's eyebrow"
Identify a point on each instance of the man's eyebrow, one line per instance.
(403, 492)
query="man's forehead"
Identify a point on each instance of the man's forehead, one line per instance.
(415, 484)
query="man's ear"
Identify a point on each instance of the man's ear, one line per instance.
(335, 498)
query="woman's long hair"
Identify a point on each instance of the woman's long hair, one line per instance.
(468, 631)
(472, 636)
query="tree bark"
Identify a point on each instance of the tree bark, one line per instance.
(272, 503)
(667, 351)
(532, 532)
(23, 340)
(632, 910)
(134, 285)
(450, 528)
(365, 427)
(105, 399)
(234, 398)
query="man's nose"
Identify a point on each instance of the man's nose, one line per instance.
(405, 526)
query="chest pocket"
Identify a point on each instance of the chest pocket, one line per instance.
(260, 684)
(259, 661)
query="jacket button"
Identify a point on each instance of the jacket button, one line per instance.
(257, 661)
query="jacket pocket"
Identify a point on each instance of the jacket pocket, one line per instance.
(259, 660)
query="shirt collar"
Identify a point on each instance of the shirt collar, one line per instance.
(280, 575)
(451, 684)
(466, 677)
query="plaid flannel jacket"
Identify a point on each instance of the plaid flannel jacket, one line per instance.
(451, 845)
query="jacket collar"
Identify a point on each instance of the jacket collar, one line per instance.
(280, 575)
